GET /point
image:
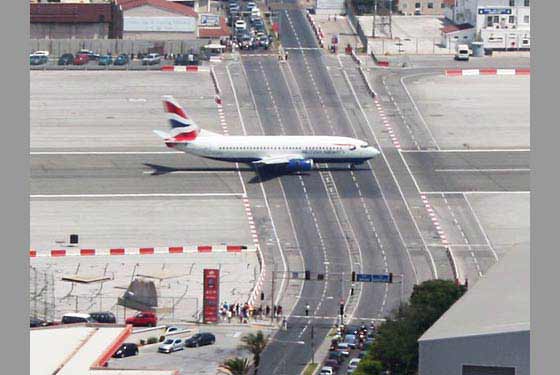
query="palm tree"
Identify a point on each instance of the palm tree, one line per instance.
(255, 343)
(237, 366)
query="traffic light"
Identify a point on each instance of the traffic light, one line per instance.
(353, 276)
(342, 308)
(390, 277)
(262, 296)
(307, 275)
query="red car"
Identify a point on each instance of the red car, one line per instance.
(143, 319)
(81, 59)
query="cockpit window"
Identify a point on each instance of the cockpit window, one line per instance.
(352, 148)
(364, 145)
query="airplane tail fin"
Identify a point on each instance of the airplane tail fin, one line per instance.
(182, 127)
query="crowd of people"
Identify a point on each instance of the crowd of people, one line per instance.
(245, 312)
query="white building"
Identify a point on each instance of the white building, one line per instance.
(499, 24)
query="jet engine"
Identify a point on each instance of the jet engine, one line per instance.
(297, 165)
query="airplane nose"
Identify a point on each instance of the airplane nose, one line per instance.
(374, 152)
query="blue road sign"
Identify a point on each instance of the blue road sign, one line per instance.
(372, 278)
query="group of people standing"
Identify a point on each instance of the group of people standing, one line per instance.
(246, 311)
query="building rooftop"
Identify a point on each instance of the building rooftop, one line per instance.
(498, 303)
(70, 13)
(453, 28)
(214, 32)
(161, 4)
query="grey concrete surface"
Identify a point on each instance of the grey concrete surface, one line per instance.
(506, 219)
(112, 110)
(177, 277)
(474, 112)
(470, 171)
(138, 222)
(202, 360)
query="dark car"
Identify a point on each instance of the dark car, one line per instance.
(337, 356)
(126, 350)
(200, 339)
(332, 363)
(103, 317)
(35, 322)
(186, 59)
(121, 59)
(38, 59)
(105, 60)
(66, 59)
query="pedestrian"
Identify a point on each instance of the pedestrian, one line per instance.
(285, 323)
(229, 316)
(267, 311)
(286, 55)
(307, 310)
(274, 309)
(237, 309)
(280, 310)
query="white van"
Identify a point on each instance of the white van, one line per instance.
(462, 53)
(73, 318)
(255, 12)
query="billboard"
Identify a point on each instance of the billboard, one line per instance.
(210, 295)
(160, 24)
(208, 20)
(494, 10)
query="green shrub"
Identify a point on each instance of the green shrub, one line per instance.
(152, 340)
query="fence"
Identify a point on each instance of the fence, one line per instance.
(410, 46)
(354, 21)
(41, 294)
(57, 47)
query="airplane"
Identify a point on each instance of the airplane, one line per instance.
(295, 153)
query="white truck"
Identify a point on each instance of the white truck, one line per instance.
(463, 52)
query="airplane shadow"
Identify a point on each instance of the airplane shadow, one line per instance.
(262, 174)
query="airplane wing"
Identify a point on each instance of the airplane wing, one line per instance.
(276, 160)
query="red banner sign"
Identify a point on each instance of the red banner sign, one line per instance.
(211, 295)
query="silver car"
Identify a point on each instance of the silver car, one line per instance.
(171, 345)
(151, 59)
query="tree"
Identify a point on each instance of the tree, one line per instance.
(237, 366)
(396, 344)
(255, 343)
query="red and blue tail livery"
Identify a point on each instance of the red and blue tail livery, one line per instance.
(183, 128)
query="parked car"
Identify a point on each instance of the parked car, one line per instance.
(105, 60)
(66, 59)
(251, 5)
(143, 319)
(103, 317)
(38, 59)
(81, 59)
(91, 55)
(151, 59)
(121, 59)
(35, 322)
(171, 345)
(354, 362)
(186, 59)
(171, 330)
(343, 348)
(200, 339)
(73, 318)
(326, 370)
(41, 53)
(126, 350)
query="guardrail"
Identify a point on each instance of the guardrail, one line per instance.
(316, 29)
(215, 81)
(366, 80)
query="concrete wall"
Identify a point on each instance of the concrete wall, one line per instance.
(149, 11)
(147, 35)
(69, 30)
(447, 356)
(115, 46)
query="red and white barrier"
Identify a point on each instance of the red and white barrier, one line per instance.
(487, 72)
(188, 68)
(317, 30)
(120, 251)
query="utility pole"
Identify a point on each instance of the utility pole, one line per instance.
(272, 298)
(312, 345)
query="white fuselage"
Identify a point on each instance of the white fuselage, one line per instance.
(321, 149)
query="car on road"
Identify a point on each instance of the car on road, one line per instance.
(332, 363)
(81, 59)
(171, 329)
(126, 350)
(103, 317)
(121, 59)
(73, 318)
(105, 60)
(200, 339)
(38, 59)
(240, 25)
(66, 59)
(171, 345)
(151, 59)
(343, 348)
(354, 362)
(351, 340)
(336, 355)
(326, 370)
(143, 319)
(462, 53)
(251, 5)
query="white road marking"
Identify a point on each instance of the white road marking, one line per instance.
(104, 152)
(139, 195)
(482, 170)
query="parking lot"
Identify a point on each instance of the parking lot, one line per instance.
(248, 26)
(202, 360)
